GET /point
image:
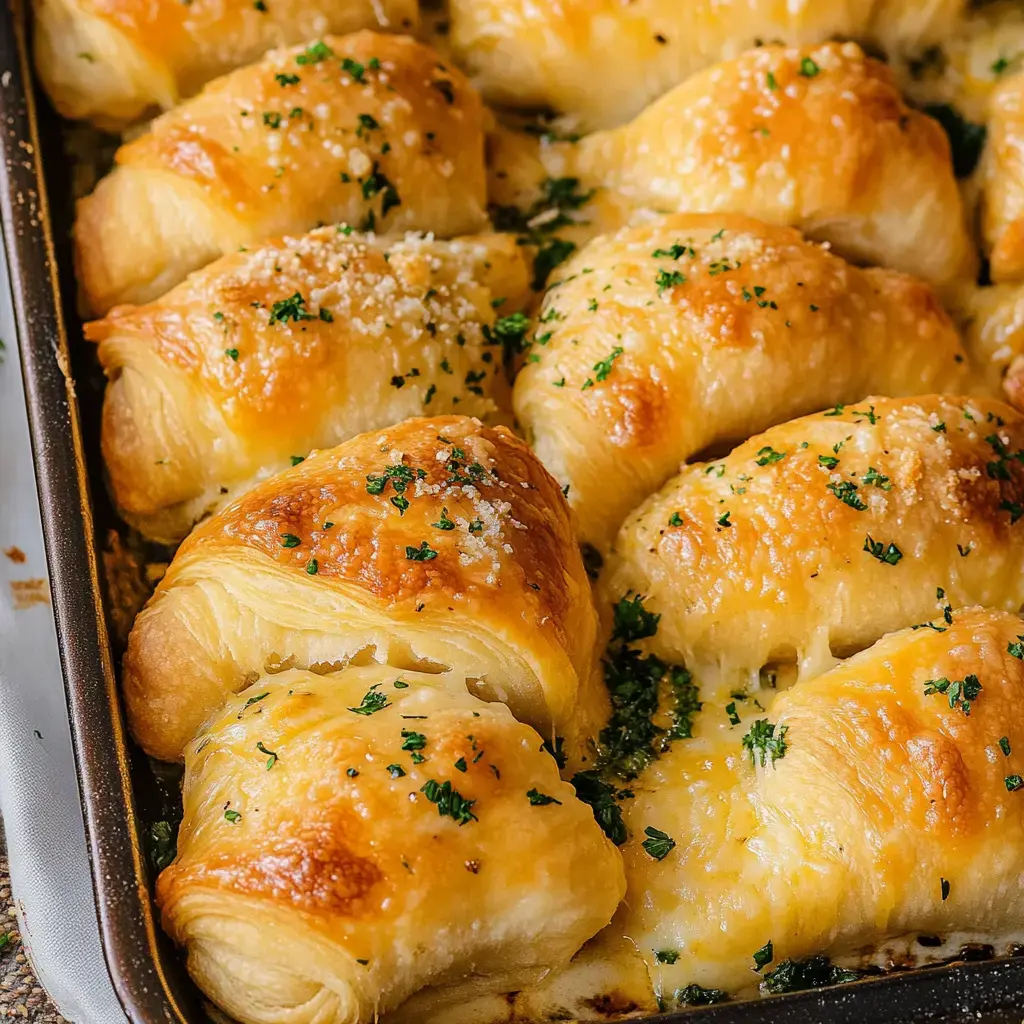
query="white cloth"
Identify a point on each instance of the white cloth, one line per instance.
(38, 785)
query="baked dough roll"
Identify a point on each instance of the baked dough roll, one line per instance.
(1003, 182)
(815, 538)
(818, 138)
(364, 820)
(550, 53)
(700, 330)
(879, 811)
(994, 336)
(436, 544)
(112, 60)
(369, 130)
(298, 344)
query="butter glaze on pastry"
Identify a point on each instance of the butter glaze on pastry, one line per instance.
(817, 138)
(368, 129)
(435, 544)
(111, 60)
(764, 556)
(1003, 182)
(229, 374)
(373, 845)
(644, 354)
(884, 792)
(552, 53)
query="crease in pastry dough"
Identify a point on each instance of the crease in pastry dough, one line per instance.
(110, 61)
(1003, 182)
(885, 791)
(364, 819)
(815, 538)
(436, 544)
(817, 138)
(366, 129)
(994, 335)
(699, 330)
(298, 344)
(550, 53)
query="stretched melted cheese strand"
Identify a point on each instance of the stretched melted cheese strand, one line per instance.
(296, 345)
(885, 792)
(544, 53)
(112, 60)
(435, 544)
(820, 535)
(1003, 182)
(363, 819)
(818, 138)
(368, 129)
(701, 329)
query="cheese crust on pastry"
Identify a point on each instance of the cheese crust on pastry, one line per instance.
(367, 129)
(112, 60)
(1003, 182)
(699, 330)
(550, 53)
(817, 138)
(878, 808)
(295, 345)
(364, 819)
(815, 538)
(436, 544)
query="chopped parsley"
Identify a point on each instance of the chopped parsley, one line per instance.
(764, 956)
(959, 692)
(723, 520)
(286, 79)
(873, 478)
(697, 995)
(1013, 783)
(444, 523)
(161, 843)
(538, 799)
(674, 252)
(669, 279)
(1004, 745)
(424, 553)
(762, 742)
(373, 701)
(767, 455)
(658, 844)
(312, 567)
(289, 540)
(315, 53)
(231, 353)
(601, 797)
(376, 182)
(353, 68)
(508, 331)
(846, 492)
(293, 308)
(604, 367)
(808, 68)
(450, 803)
(232, 816)
(666, 956)
(828, 461)
(272, 757)
(1016, 649)
(396, 771)
(887, 555)
(413, 740)
(798, 975)
(675, 519)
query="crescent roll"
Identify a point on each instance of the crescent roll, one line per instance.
(436, 544)
(112, 60)
(369, 130)
(874, 804)
(550, 53)
(699, 330)
(818, 536)
(364, 819)
(817, 138)
(994, 335)
(298, 344)
(1003, 182)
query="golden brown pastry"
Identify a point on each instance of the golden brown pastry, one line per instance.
(369, 130)
(364, 820)
(994, 335)
(112, 60)
(298, 344)
(603, 60)
(437, 544)
(815, 538)
(864, 808)
(818, 138)
(699, 330)
(1003, 176)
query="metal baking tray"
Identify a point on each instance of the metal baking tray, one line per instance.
(120, 791)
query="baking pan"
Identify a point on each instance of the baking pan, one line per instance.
(120, 790)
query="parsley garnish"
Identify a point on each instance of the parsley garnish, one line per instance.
(846, 492)
(808, 68)
(601, 798)
(797, 975)
(657, 844)
(697, 995)
(1017, 649)
(424, 553)
(604, 367)
(396, 771)
(286, 79)
(1004, 745)
(763, 742)
(353, 68)
(289, 540)
(767, 455)
(666, 956)
(538, 799)
(272, 758)
(293, 308)
(674, 252)
(959, 692)
(450, 803)
(631, 621)
(373, 701)
(669, 279)
(1013, 783)
(413, 740)
(444, 523)
(828, 461)
(675, 519)
(315, 53)
(872, 476)
(231, 353)
(232, 816)
(877, 549)
(377, 182)
(764, 956)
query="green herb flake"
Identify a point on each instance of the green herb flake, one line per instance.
(764, 956)
(1004, 745)
(373, 701)
(657, 844)
(272, 758)
(232, 816)
(538, 799)
(846, 492)
(762, 742)
(887, 555)
(289, 540)
(424, 553)
(450, 803)
(808, 68)
(767, 455)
